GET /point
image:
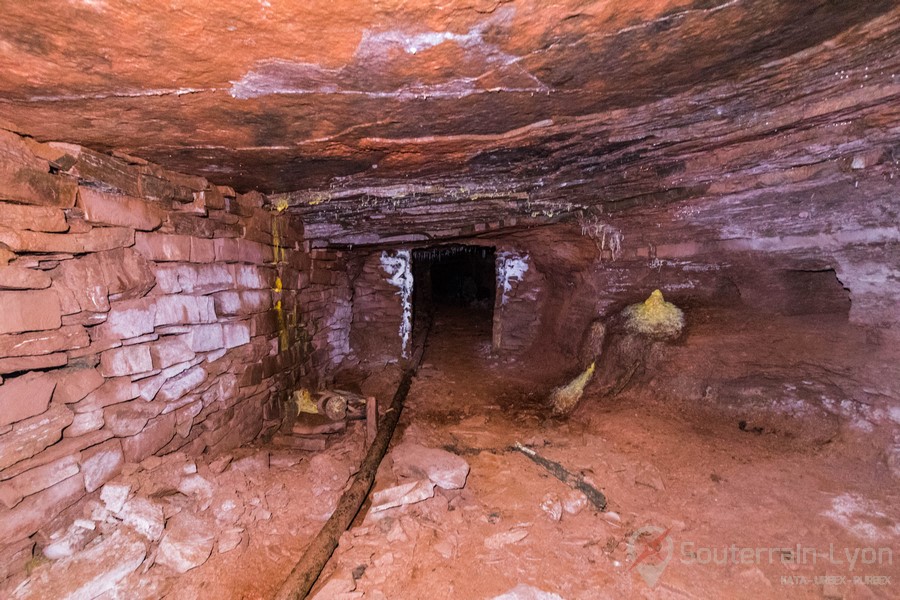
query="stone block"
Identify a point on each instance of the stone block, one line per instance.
(19, 278)
(90, 573)
(13, 491)
(158, 432)
(127, 319)
(170, 351)
(242, 303)
(527, 592)
(166, 275)
(73, 385)
(90, 281)
(145, 516)
(202, 250)
(402, 494)
(115, 495)
(100, 168)
(44, 342)
(130, 418)
(25, 396)
(57, 157)
(204, 338)
(115, 209)
(245, 251)
(229, 539)
(29, 311)
(84, 423)
(33, 363)
(127, 360)
(213, 198)
(163, 247)
(181, 385)
(97, 239)
(15, 556)
(26, 179)
(323, 277)
(149, 386)
(252, 199)
(32, 435)
(101, 463)
(263, 324)
(227, 191)
(184, 310)
(113, 391)
(236, 334)
(194, 279)
(192, 225)
(65, 447)
(184, 417)
(187, 543)
(89, 295)
(253, 277)
(36, 511)
(126, 273)
(162, 189)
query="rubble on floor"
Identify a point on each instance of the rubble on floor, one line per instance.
(167, 516)
(526, 592)
(443, 468)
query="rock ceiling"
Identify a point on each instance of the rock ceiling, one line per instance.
(577, 99)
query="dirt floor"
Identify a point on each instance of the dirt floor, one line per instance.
(741, 503)
(739, 466)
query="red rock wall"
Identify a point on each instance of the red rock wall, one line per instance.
(764, 252)
(517, 310)
(325, 301)
(143, 311)
(377, 310)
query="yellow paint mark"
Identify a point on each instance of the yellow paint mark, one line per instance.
(283, 337)
(278, 251)
(278, 255)
(303, 400)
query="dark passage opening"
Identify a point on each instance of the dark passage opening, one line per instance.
(458, 283)
(796, 292)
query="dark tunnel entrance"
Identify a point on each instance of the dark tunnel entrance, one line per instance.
(458, 283)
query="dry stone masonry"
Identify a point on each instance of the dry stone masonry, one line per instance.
(142, 312)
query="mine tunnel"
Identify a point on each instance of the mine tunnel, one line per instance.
(483, 300)
(454, 286)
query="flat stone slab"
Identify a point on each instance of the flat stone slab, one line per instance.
(527, 592)
(445, 469)
(87, 574)
(399, 495)
(186, 544)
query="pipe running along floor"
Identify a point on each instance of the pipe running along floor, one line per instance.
(753, 486)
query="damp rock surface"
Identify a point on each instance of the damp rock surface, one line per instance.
(429, 88)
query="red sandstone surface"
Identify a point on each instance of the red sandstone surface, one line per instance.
(204, 207)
